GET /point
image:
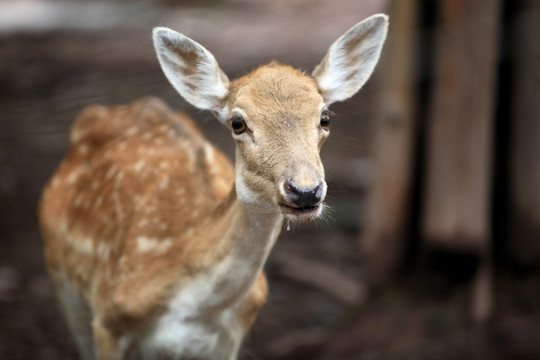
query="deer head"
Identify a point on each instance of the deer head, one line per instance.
(278, 116)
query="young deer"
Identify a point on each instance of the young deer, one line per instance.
(155, 245)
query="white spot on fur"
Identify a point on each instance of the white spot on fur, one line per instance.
(189, 232)
(76, 135)
(145, 244)
(118, 179)
(209, 154)
(85, 246)
(139, 165)
(110, 173)
(81, 245)
(142, 223)
(164, 182)
(117, 206)
(163, 128)
(73, 175)
(103, 250)
(132, 131)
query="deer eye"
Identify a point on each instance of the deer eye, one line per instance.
(238, 124)
(325, 120)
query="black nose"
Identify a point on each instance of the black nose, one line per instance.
(303, 198)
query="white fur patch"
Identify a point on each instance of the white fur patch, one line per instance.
(185, 330)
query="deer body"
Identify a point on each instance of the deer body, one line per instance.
(155, 245)
(135, 271)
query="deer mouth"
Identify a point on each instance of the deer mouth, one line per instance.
(302, 209)
(301, 213)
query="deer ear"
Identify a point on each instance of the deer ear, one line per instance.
(350, 60)
(192, 70)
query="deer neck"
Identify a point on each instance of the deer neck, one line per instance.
(244, 239)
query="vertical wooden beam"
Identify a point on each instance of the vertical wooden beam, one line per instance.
(389, 200)
(524, 242)
(457, 202)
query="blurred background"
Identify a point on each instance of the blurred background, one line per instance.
(431, 249)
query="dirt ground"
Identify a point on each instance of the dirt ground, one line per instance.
(48, 75)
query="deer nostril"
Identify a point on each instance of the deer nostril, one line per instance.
(303, 198)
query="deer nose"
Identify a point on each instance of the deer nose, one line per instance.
(303, 198)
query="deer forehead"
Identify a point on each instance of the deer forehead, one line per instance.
(276, 93)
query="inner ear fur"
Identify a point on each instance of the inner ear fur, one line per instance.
(192, 70)
(351, 59)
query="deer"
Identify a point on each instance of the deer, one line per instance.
(154, 243)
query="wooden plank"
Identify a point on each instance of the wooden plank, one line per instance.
(456, 200)
(524, 242)
(389, 199)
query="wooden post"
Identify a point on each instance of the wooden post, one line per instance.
(456, 207)
(459, 144)
(389, 199)
(524, 241)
